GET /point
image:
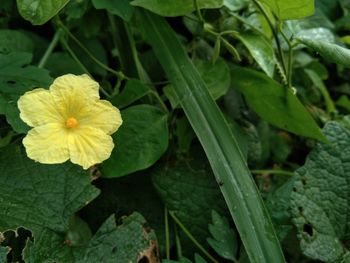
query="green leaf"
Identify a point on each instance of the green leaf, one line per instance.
(225, 239)
(225, 157)
(39, 12)
(216, 76)
(274, 103)
(120, 8)
(261, 50)
(140, 141)
(133, 91)
(173, 8)
(291, 9)
(41, 198)
(188, 189)
(320, 198)
(331, 52)
(16, 77)
(128, 242)
(14, 41)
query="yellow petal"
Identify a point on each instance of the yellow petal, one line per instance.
(72, 93)
(37, 108)
(80, 84)
(89, 146)
(47, 144)
(101, 115)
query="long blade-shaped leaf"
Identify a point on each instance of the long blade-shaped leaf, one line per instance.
(226, 159)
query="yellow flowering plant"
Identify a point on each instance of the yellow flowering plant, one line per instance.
(69, 122)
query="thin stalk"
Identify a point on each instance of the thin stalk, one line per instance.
(178, 243)
(167, 236)
(290, 60)
(192, 238)
(272, 171)
(199, 14)
(119, 74)
(75, 58)
(275, 35)
(113, 29)
(81, 65)
(50, 48)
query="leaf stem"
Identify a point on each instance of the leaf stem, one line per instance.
(275, 35)
(178, 243)
(272, 171)
(199, 14)
(290, 60)
(81, 65)
(119, 74)
(191, 237)
(167, 236)
(50, 48)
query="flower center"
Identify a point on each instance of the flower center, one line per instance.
(71, 122)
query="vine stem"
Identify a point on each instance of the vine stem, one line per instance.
(81, 65)
(275, 35)
(281, 172)
(167, 236)
(50, 48)
(119, 74)
(191, 237)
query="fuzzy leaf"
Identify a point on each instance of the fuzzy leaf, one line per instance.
(321, 196)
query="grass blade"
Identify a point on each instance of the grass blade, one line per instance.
(231, 171)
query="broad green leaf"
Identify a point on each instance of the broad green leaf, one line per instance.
(128, 242)
(140, 141)
(227, 161)
(133, 91)
(320, 198)
(41, 198)
(14, 41)
(274, 103)
(261, 50)
(331, 52)
(188, 189)
(17, 77)
(216, 76)
(174, 8)
(120, 8)
(291, 9)
(39, 12)
(225, 239)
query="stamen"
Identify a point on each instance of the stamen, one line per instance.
(71, 122)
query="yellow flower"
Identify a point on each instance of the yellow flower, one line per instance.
(70, 122)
